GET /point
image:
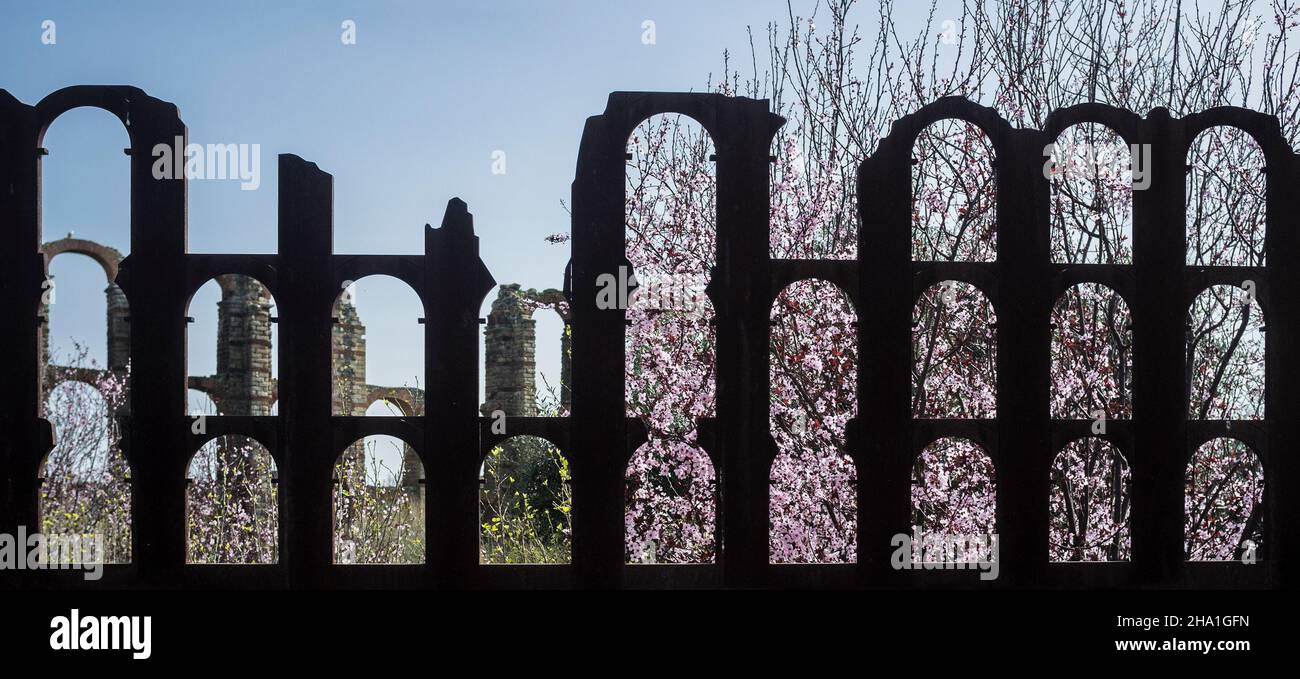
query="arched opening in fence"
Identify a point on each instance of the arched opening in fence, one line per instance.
(954, 498)
(525, 504)
(670, 198)
(379, 503)
(77, 193)
(377, 339)
(1092, 354)
(83, 209)
(1225, 355)
(231, 345)
(85, 487)
(813, 508)
(954, 353)
(1090, 503)
(232, 504)
(954, 194)
(1224, 495)
(526, 353)
(671, 504)
(84, 204)
(1226, 199)
(1092, 174)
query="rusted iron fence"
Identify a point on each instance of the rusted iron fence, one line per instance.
(159, 276)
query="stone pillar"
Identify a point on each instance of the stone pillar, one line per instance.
(510, 346)
(348, 359)
(348, 363)
(244, 346)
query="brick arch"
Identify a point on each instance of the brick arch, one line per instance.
(117, 306)
(208, 386)
(108, 258)
(549, 298)
(229, 284)
(56, 376)
(406, 400)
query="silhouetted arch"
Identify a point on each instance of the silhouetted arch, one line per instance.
(232, 503)
(1092, 175)
(671, 504)
(1225, 355)
(986, 120)
(1226, 199)
(241, 335)
(113, 99)
(377, 339)
(670, 231)
(525, 503)
(85, 487)
(378, 511)
(954, 353)
(813, 481)
(1264, 129)
(50, 110)
(1224, 497)
(670, 197)
(1090, 503)
(954, 495)
(1092, 354)
(954, 194)
(85, 186)
(630, 110)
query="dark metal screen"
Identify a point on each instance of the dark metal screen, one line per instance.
(159, 276)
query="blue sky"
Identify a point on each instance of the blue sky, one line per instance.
(405, 119)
